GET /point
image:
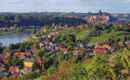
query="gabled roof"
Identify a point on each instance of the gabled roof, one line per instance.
(74, 52)
(16, 73)
(99, 50)
(120, 43)
(39, 59)
(13, 68)
(19, 53)
(27, 68)
(80, 26)
(128, 45)
(106, 46)
(5, 61)
(87, 59)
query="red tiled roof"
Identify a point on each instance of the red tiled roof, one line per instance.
(99, 50)
(80, 26)
(5, 61)
(120, 43)
(97, 42)
(106, 46)
(16, 73)
(120, 25)
(65, 49)
(74, 52)
(61, 46)
(87, 59)
(128, 45)
(12, 68)
(27, 68)
(19, 53)
(39, 59)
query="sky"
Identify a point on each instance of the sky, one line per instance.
(82, 6)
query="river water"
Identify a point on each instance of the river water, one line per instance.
(15, 37)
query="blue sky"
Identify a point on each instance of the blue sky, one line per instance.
(112, 6)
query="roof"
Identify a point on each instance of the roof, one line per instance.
(16, 73)
(13, 68)
(99, 50)
(106, 46)
(5, 61)
(120, 43)
(39, 59)
(128, 45)
(80, 26)
(19, 53)
(87, 59)
(74, 52)
(27, 68)
(97, 42)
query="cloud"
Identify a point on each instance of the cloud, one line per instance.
(63, 5)
(127, 1)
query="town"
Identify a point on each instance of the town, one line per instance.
(100, 35)
(19, 59)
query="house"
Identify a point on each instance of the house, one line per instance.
(106, 46)
(129, 24)
(39, 59)
(16, 74)
(65, 50)
(76, 52)
(120, 25)
(2, 62)
(100, 50)
(5, 61)
(13, 69)
(20, 54)
(97, 43)
(6, 54)
(105, 16)
(2, 69)
(120, 43)
(27, 69)
(80, 26)
(29, 62)
(87, 59)
(127, 43)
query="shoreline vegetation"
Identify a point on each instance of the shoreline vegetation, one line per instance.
(2, 33)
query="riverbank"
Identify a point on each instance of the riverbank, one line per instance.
(6, 32)
(13, 31)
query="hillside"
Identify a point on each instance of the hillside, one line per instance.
(56, 52)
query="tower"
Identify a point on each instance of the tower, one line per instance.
(100, 12)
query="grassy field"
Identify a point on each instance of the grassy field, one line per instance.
(106, 36)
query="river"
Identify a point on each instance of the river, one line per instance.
(14, 37)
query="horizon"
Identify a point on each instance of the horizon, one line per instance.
(63, 12)
(68, 6)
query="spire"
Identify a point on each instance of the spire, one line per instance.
(100, 12)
